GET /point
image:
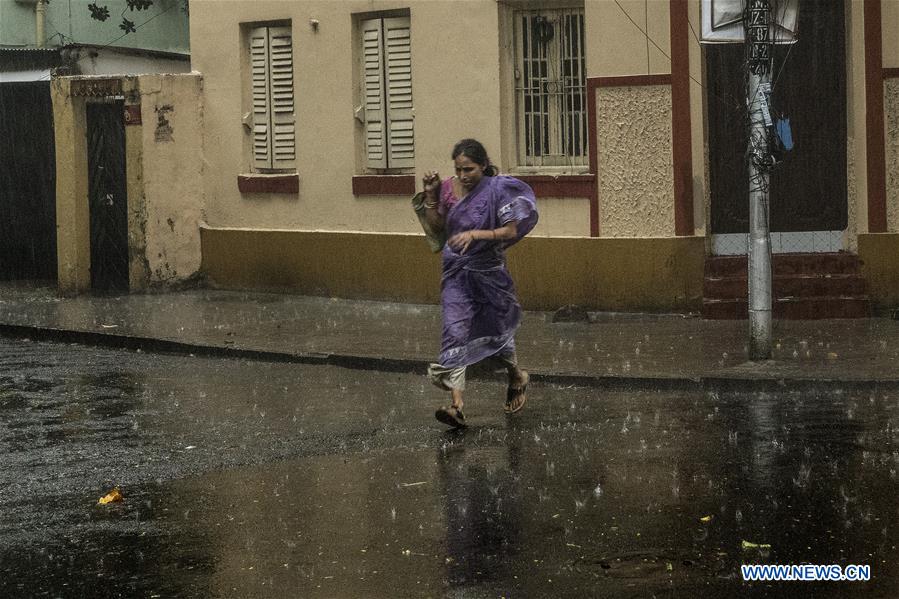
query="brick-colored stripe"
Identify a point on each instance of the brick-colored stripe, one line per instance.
(680, 119)
(383, 185)
(877, 211)
(268, 183)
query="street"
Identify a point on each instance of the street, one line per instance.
(253, 479)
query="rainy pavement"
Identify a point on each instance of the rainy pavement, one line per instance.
(256, 479)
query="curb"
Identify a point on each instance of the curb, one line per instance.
(710, 382)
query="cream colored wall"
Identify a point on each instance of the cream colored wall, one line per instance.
(856, 137)
(455, 90)
(171, 161)
(562, 217)
(636, 187)
(72, 215)
(616, 43)
(697, 120)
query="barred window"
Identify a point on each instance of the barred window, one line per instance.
(550, 87)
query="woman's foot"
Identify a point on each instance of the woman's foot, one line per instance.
(451, 416)
(516, 394)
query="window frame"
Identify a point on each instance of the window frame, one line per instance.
(396, 114)
(512, 74)
(270, 109)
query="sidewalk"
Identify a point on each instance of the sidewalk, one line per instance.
(629, 349)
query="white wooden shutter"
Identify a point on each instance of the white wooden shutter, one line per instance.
(373, 94)
(398, 53)
(282, 96)
(259, 69)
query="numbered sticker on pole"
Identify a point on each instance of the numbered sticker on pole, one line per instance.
(722, 22)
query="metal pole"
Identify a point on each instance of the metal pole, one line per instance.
(40, 10)
(759, 62)
(759, 234)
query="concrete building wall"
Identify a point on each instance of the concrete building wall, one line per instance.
(171, 151)
(461, 87)
(163, 179)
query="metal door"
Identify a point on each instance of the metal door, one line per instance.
(108, 197)
(27, 182)
(808, 190)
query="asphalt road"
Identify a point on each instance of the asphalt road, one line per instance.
(254, 479)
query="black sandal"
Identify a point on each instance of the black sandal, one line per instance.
(451, 416)
(515, 397)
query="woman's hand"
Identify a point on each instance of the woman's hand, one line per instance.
(431, 183)
(461, 241)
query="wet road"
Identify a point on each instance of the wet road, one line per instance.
(251, 479)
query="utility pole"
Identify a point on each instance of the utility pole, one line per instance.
(759, 56)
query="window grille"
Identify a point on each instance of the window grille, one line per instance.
(550, 88)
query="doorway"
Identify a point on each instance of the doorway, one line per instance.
(108, 200)
(808, 190)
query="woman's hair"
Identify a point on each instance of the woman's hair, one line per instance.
(475, 151)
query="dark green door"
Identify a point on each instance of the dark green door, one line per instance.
(808, 190)
(108, 198)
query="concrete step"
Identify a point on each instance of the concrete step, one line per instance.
(785, 264)
(803, 285)
(792, 308)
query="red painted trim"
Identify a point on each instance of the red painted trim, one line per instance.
(877, 208)
(563, 186)
(268, 183)
(634, 80)
(383, 185)
(890, 73)
(593, 149)
(681, 134)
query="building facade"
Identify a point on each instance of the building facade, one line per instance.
(320, 117)
(39, 42)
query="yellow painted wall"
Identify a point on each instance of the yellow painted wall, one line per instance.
(171, 164)
(163, 158)
(606, 274)
(72, 215)
(879, 253)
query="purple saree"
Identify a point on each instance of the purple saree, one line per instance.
(480, 310)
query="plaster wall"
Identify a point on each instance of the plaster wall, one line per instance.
(890, 18)
(162, 180)
(605, 274)
(856, 136)
(455, 90)
(634, 138)
(617, 45)
(171, 164)
(72, 216)
(891, 119)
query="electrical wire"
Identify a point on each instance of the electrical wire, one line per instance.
(136, 27)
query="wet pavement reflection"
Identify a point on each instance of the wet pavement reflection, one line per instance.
(252, 479)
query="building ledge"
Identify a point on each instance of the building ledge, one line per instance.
(561, 186)
(383, 185)
(268, 183)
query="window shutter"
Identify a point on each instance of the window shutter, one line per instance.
(259, 69)
(282, 96)
(373, 94)
(398, 52)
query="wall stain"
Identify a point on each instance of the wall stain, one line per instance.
(164, 129)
